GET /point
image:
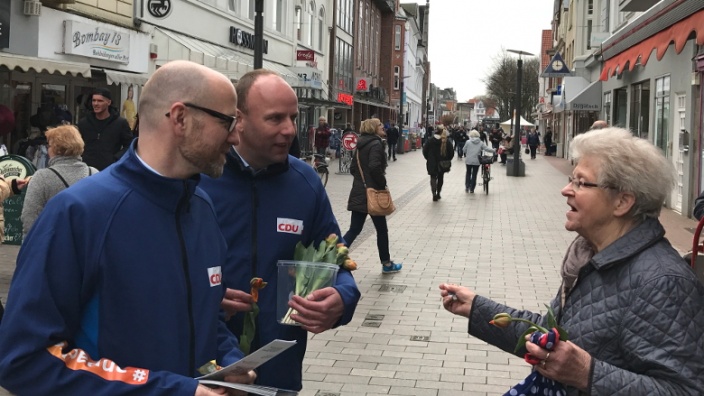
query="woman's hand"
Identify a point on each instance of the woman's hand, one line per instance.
(457, 299)
(567, 363)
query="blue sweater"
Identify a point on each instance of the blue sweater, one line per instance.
(254, 211)
(121, 268)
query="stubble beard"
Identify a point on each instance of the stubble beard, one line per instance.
(205, 159)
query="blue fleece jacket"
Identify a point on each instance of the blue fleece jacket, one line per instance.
(263, 215)
(117, 290)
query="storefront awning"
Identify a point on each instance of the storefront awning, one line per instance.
(233, 64)
(118, 77)
(176, 46)
(589, 99)
(377, 104)
(25, 63)
(677, 33)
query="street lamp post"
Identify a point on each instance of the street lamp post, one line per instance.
(517, 123)
(258, 34)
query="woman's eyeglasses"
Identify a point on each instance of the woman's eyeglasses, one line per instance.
(578, 184)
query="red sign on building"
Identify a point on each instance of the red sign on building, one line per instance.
(305, 55)
(362, 85)
(345, 98)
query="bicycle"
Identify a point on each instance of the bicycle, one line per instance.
(485, 164)
(317, 161)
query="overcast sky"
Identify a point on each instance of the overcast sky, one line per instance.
(466, 35)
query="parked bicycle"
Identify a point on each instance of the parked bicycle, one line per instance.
(485, 164)
(317, 161)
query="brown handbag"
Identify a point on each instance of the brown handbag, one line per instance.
(379, 202)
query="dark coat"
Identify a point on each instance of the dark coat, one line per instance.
(431, 152)
(636, 307)
(373, 160)
(392, 135)
(322, 136)
(104, 144)
(533, 139)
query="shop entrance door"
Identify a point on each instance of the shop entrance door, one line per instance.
(678, 152)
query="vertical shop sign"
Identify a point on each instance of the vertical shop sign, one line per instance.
(4, 24)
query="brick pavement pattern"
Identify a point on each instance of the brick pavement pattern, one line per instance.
(507, 245)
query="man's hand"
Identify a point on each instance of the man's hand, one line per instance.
(319, 311)
(236, 301)
(246, 378)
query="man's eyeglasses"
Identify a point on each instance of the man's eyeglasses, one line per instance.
(578, 184)
(231, 121)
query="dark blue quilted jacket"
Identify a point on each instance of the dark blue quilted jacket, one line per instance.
(636, 307)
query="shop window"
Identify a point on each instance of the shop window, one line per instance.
(640, 109)
(661, 135)
(620, 107)
(607, 107)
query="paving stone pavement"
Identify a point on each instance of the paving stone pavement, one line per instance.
(507, 245)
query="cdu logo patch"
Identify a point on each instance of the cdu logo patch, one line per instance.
(214, 276)
(289, 226)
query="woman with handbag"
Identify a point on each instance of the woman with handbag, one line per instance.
(438, 153)
(369, 169)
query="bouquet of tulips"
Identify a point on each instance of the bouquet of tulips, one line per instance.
(310, 278)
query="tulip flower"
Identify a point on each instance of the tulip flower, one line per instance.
(503, 320)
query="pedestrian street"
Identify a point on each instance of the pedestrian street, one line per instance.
(507, 245)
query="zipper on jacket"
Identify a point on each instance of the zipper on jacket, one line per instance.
(255, 255)
(184, 202)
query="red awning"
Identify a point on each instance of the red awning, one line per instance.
(679, 32)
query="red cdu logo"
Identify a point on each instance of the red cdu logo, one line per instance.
(214, 276)
(289, 226)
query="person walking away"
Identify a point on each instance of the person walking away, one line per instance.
(372, 160)
(322, 136)
(460, 137)
(65, 169)
(267, 202)
(392, 135)
(438, 152)
(472, 150)
(117, 288)
(106, 135)
(533, 141)
(547, 140)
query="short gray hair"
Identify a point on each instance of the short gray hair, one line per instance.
(629, 164)
(473, 133)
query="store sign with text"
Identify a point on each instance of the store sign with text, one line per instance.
(305, 55)
(345, 98)
(5, 24)
(245, 39)
(96, 41)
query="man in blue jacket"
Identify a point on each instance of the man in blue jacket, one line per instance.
(118, 285)
(266, 202)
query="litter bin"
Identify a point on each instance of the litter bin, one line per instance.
(509, 167)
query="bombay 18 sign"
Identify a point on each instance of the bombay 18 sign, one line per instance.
(96, 41)
(345, 98)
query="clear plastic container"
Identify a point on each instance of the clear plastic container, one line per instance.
(300, 278)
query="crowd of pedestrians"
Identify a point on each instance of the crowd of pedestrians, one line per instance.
(208, 199)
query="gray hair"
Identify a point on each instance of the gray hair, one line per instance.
(628, 164)
(473, 133)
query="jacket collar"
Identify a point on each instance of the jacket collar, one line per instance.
(165, 192)
(237, 164)
(639, 238)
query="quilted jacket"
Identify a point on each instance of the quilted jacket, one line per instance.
(636, 307)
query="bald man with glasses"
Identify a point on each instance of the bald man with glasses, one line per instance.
(118, 284)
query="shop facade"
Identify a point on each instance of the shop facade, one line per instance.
(651, 85)
(51, 63)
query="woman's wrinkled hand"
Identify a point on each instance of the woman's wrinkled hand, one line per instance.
(457, 299)
(567, 363)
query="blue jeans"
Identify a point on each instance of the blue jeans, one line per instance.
(470, 180)
(382, 233)
(392, 150)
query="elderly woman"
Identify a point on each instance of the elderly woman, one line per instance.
(372, 161)
(472, 150)
(438, 152)
(633, 309)
(65, 168)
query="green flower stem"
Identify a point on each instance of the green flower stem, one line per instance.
(542, 329)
